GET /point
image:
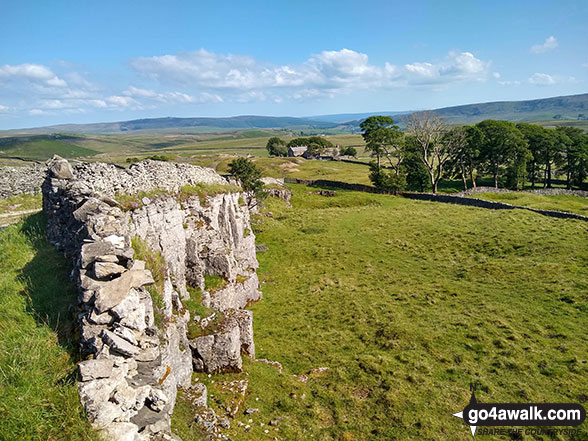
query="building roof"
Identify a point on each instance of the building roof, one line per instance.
(298, 151)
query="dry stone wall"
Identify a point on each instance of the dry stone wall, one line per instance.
(141, 339)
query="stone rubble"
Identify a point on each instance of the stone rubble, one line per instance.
(26, 179)
(137, 346)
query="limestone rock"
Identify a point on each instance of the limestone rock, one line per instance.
(116, 240)
(156, 400)
(245, 320)
(121, 432)
(108, 258)
(101, 319)
(218, 352)
(60, 168)
(95, 369)
(126, 333)
(197, 394)
(92, 250)
(104, 270)
(119, 344)
(95, 396)
(112, 293)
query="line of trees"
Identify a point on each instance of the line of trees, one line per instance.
(316, 145)
(513, 154)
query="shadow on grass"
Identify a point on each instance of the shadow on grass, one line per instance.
(52, 296)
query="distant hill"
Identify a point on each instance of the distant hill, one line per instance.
(351, 117)
(180, 124)
(571, 107)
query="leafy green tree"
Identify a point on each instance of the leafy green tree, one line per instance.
(539, 141)
(249, 176)
(348, 151)
(276, 147)
(383, 138)
(314, 149)
(504, 149)
(417, 176)
(306, 141)
(386, 180)
(469, 155)
(574, 144)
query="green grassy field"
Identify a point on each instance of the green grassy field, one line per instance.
(573, 204)
(38, 340)
(45, 148)
(406, 303)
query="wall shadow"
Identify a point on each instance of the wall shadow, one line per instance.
(52, 296)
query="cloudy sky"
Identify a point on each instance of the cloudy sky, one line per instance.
(81, 61)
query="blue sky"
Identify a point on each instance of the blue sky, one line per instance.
(91, 61)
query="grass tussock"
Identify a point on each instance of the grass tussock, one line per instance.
(38, 340)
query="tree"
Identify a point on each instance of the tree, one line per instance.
(436, 143)
(504, 148)
(417, 175)
(320, 140)
(470, 154)
(383, 138)
(386, 180)
(538, 139)
(314, 149)
(348, 151)
(276, 147)
(574, 144)
(249, 176)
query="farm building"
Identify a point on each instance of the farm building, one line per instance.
(297, 151)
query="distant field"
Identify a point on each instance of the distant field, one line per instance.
(573, 204)
(44, 148)
(581, 124)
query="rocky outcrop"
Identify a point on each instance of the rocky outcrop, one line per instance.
(137, 271)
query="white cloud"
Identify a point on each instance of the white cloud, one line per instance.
(456, 67)
(3, 108)
(509, 83)
(122, 101)
(329, 71)
(496, 75)
(549, 44)
(168, 97)
(32, 72)
(206, 77)
(37, 112)
(542, 79)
